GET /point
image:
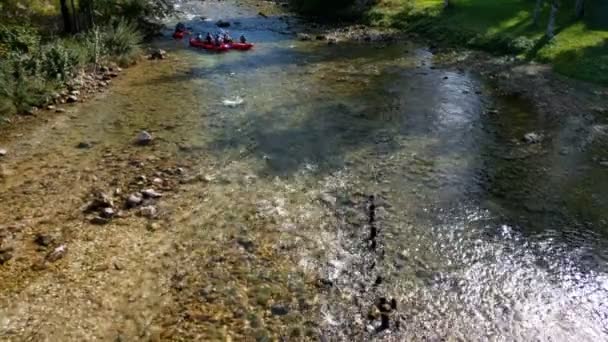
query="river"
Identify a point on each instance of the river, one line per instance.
(357, 193)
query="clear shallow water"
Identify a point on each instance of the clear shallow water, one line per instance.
(479, 235)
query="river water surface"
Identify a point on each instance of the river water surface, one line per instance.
(403, 195)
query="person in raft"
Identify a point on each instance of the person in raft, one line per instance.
(242, 39)
(209, 38)
(199, 37)
(180, 27)
(227, 38)
(218, 40)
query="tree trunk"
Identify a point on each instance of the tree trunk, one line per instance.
(65, 14)
(76, 25)
(579, 9)
(537, 8)
(446, 4)
(552, 16)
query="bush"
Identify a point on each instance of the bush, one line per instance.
(521, 44)
(19, 88)
(335, 8)
(58, 62)
(122, 41)
(18, 38)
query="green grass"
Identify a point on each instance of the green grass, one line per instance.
(579, 50)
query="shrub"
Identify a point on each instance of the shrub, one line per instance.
(19, 89)
(18, 38)
(58, 62)
(335, 8)
(122, 41)
(521, 44)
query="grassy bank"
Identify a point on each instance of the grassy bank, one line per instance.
(579, 49)
(38, 57)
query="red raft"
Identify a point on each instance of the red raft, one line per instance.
(241, 46)
(207, 46)
(179, 35)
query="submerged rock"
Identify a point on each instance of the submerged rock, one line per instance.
(327, 199)
(155, 54)
(107, 213)
(304, 37)
(84, 145)
(232, 103)
(279, 310)
(99, 220)
(151, 193)
(100, 201)
(222, 23)
(134, 200)
(533, 138)
(143, 138)
(44, 240)
(57, 253)
(6, 254)
(148, 211)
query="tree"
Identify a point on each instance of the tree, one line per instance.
(552, 18)
(537, 8)
(65, 14)
(579, 9)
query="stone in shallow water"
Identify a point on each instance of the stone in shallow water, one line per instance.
(533, 138)
(144, 138)
(279, 310)
(327, 199)
(149, 211)
(151, 193)
(134, 200)
(3, 152)
(57, 253)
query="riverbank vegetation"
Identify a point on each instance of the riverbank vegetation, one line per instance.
(44, 44)
(572, 35)
(569, 34)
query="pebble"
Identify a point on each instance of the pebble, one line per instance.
(134, 200)
(151, 193)
(149, 211)
(6, 254)
(100, 220)
(279, 310)
(84, 145)
(57, 253)
(144, 138)
(107, 213)
(59, 110)
(44, 240)
(157, 181)
(222, 23)
(101, 200)
(533, 138)
(328, 199)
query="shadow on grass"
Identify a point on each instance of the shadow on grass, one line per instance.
(590, 63)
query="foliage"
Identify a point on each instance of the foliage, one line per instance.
(335, 8)
(17, 38)
(19, 88)
(578, 50)
(122, 41)
(58, 62)
(32, 66)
